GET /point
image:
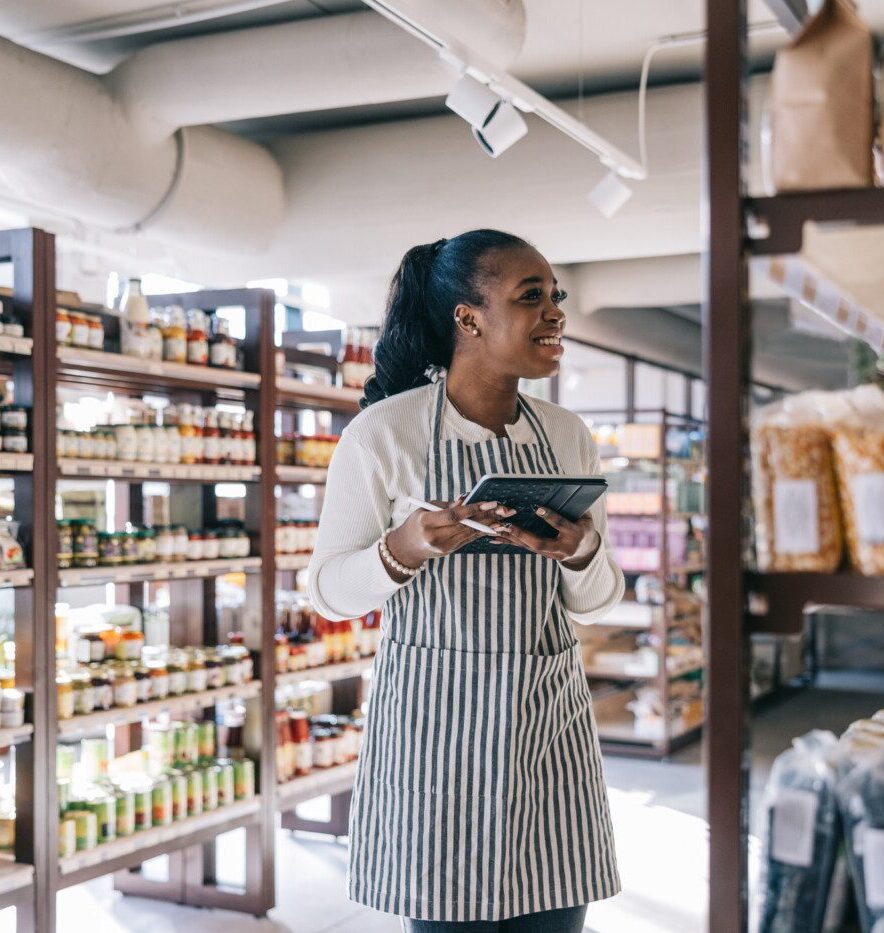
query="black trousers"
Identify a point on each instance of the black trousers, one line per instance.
(564, 920)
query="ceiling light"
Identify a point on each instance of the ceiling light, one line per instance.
(472, 100)
(504, 127)
(610, 194)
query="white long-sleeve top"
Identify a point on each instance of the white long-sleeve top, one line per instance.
(381, 460)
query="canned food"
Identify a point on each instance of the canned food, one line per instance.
(159, 744)
(63, 786)
(125, 812)
(94, 758)
(162, 802)
(105, 810)
(7, 833)
(206, 738)
(178, 780)
(67, 838)
(185, 743)
(194, 792)
(143, 809)
(244, 779)
(210, 788)
(226, 793)
(86, 829)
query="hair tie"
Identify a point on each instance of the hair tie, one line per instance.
(437, 246)
(434, 372)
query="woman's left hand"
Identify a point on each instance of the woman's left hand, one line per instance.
(575, 545)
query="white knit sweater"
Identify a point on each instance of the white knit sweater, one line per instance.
(381, 461)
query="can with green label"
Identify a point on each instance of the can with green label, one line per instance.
(86, 828)
(67, 837)
(194, 792)
(185, 743)
(105, 810)
(210, 788)
(244, 779)
(178, 780)
(64, 794)
(125, 811)
(206, 735)
(159, 743)
(162, 802)
(143, 808)
(225, 783)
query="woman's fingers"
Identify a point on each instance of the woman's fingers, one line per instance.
(559, 522)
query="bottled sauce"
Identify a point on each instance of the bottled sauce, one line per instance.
(96, 332)
(249, 444)
(79, 329)
(366, 362)
(63, 327)
(222, 349)
(211, 438)
(197, 338)
(349, 362)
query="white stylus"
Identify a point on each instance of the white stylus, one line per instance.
(464, 521)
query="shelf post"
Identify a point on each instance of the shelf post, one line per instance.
(725, 360)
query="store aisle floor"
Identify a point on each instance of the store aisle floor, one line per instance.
(661, 840)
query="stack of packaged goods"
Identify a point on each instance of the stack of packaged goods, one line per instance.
(307, 450)
(305, 742)
(825, 831)
(306, 640)
(112, 667)
(177, 774)
(818, 481)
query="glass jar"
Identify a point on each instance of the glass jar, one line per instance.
(109, 552)
(65, 554)
(233, 673)
(173, 443)
(130, 645)
(177, 677)
(182, 543)
(323, 749)
(14, 417)
(127, 441)
(281, 653)
(211, 438)
(63, 326)
(85, 543)
(228, 546)
(146, 544)
(65, 690)
(196, 672)
(96, 332)
(160, 444)
(144, 442)
(175, 337)
(129, 546)
(197, 339)
(99, 447)
(215, 675)
(125, 687)
(102, 685)
(159, 680)
(110, 443)
(79, 329)
(143, 684)
(285, 450)
(211, 546)
(195, 546)
(84, 695)
(165, 541)
(85, 445)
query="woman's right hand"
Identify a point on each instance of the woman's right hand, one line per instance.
(434, 534)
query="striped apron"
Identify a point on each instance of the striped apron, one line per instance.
(479, 792)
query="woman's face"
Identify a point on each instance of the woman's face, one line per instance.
(520, 326)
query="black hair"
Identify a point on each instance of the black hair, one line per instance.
(419, 327)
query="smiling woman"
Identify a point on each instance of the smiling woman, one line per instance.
(480, 732)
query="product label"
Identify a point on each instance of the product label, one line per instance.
(796, 516)
(792, 828)
(868, 502)
(873, 867)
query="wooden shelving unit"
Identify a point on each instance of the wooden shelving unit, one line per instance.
(331, 781)
(301, 474)
(292, 561)
(159, 472)
(346, 670)
(619, 731)
(155, 573)
(295, 392)
(742, 601)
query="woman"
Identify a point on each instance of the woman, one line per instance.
(479, 801)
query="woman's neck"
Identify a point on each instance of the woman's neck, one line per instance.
(482, 397)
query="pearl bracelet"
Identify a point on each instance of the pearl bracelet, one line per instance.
(392, 562)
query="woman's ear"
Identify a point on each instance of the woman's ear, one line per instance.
(467, 321)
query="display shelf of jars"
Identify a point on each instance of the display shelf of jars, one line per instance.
(17, 346)
(292, 561)
(165, 472)
(147, 573)
(172, 705)
(20, 577)
(12, 736)
(134, 369)
(317, 395)
(329, 673)
(334, 780)
(301, 474)
(159, 840)
(16, 463)
(14, 875)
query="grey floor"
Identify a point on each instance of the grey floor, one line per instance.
(658, 810)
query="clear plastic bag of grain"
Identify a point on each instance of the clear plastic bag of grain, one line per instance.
(858, 445)
(797, 513)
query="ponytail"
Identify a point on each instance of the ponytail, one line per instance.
(419, 327)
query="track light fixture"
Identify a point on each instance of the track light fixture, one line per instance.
(496, 123)
(610, 194)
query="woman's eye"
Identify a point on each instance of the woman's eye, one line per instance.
(531, 295)
(559, 296)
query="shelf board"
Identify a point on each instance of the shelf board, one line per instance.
(77, 361)
(16, 463)
(301, 474)
(14, 875)
(316, 395)
(328, 672)
(131, 850)
(21, 577)
(335, 780)
(602, 674)
(17, 346)
(16, 734)
(292, 561)
(174, 706)
(789, 595)
(161, 472)
(784, 215)
(141, 573)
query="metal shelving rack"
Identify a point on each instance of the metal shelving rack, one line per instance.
(623, 739)
(742, 601)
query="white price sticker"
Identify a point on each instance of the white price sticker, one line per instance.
(873, 867)
(792, 828)
(868, 502)
(796, 516)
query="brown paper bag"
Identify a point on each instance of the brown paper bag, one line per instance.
(822, 104)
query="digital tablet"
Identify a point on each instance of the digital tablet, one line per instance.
(570, 496)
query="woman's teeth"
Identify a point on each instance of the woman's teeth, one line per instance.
(549, 341)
